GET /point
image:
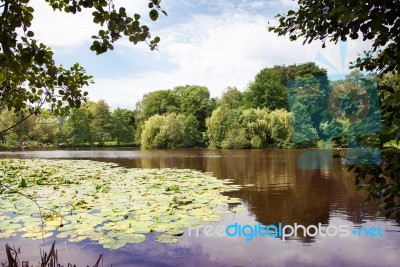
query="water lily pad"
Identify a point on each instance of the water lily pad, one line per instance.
(107, 204)
(166, 239)
(175, 232)
(238, 208)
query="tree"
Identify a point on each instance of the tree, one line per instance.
(269, 87)
(101, 123)
(218, 125)
(77, 128)
(377, 21)
(231, 98)
(19, 133)
(159, 102)
(171, 131)
(122, 125)
(45, 128)
(164, 131)
(29, 76)
(193, 135)
(187, 100)
(194, 100)
(249, 128)
(267, 90)
(327, 20)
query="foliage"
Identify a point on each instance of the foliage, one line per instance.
(29, 77)
(269, 87)
(235, 138)
(122, 125)
(231, 98)
(159, 102)
(194, 100)
(77, 128)
(170, 131)
(382, 181)
(45, 128)
(221, 121)
(41, 128)
(250, 128)
(187, 100)
(327, 20)
(191, 101)
(193, 135)
(279, 128)
(101, 124)
(377, 21)
(256, 122)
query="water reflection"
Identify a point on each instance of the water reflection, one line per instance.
(281, 193)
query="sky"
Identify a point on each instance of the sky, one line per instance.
(217, 44)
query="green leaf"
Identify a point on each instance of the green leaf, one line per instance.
(153, 15)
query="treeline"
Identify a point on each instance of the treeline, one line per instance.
(256, 118)
(186, 116)
(91, 124)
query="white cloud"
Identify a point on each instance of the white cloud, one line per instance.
(217, 52)
(64, 31)
(58, 29)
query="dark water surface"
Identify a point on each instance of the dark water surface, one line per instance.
(282, 193)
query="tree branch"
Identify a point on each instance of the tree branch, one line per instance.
(27, 117)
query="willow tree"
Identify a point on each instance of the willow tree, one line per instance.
(250, 128)
(170, 131)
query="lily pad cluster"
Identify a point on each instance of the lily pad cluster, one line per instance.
(106, 203)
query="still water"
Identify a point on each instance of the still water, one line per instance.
(282, 193)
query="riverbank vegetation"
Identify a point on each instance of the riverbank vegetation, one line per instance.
(184, 116)
(187, 116)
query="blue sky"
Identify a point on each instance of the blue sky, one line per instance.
(216, 44)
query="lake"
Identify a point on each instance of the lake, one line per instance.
(279, 192)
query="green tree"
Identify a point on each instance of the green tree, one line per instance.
(250, 128)
(163, 131)
(101, 123)
(279, 128)
(159, 102)
(231, 98)
(29, 77)
(269, 87)
(77, 128)
(267, 90)
(379, 22)
(192, 134)
(194, 100)
(20, 132)
(38, 128)
(222, 120)
(256, 122)
(45, 128)
(123, 121)
(171, 131)
(186, 100)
